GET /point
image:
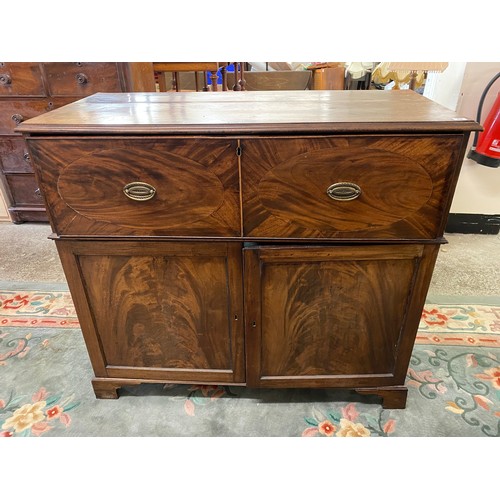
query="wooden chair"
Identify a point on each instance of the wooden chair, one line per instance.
(208, 69)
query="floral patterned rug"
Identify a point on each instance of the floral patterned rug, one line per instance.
(45, 390)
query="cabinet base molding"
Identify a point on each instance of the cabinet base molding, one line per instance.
(108, 389)
(19, 215)
(393, 397)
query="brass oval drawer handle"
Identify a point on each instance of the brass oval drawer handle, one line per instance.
(139, 191)
(343, 191)
(5, 79)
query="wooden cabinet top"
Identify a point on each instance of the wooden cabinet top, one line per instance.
(251, 113)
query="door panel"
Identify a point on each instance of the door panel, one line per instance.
(164, 311)
(322, 316)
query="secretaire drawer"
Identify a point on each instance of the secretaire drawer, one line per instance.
(389, 187)
(21, 79)
(134, 186)
(82, 79)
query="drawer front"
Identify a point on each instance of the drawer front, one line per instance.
(180, 187)
(348, 187)
(13, 112)
(21, 79)
(14, 156)
(24, 189)
(82, 79)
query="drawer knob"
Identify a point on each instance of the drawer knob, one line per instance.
(343, 191)
(139, 191)
(17, 118)
(5, 79)
(82, 78)
(26, 157)
(38, 192)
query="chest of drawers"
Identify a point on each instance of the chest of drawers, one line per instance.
(29, 89)
(267, 239)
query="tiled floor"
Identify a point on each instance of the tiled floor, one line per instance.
(468, 265)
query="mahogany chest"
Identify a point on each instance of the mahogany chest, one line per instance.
(268, 239)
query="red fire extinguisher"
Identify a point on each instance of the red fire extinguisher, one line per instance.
(486, 147)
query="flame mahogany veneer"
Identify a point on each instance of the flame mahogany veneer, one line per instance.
(268, 239)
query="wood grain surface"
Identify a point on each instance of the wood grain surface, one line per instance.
(28, 89)
(237, 113)
(196, 182)
(24, 189)
(81, 79)
(321, 315)
(159, 286)
(25, 108)
(404, 185)
(21, 79)
(14, 156)
(169, 308)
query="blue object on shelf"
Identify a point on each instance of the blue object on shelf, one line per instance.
(229, 69)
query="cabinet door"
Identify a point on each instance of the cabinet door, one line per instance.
(333, 316)
(159, 311)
